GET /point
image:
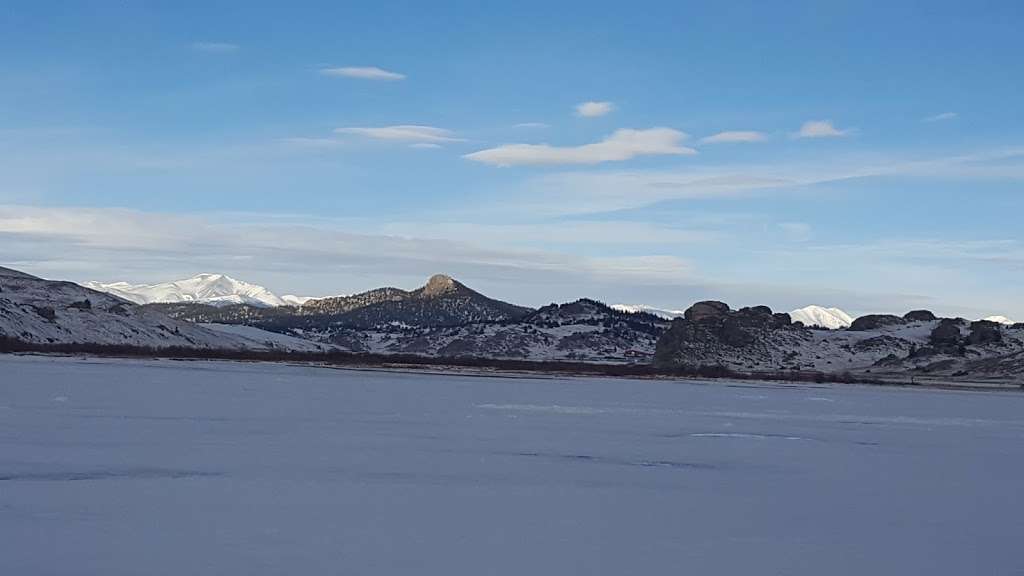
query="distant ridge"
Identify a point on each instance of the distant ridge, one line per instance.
(213, 289)
(821, 317)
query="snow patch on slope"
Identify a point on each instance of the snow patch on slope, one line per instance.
(269, 340)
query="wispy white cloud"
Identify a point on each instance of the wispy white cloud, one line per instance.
(319, 255)
(403, 133)
(820, 129)
(941, 117)
(362, 72)
(531, 125)
(118, 244)
(623, 144)
(593, 109)
(595, 191)
(215, 47)
(557, 233)
(425, 145)
(735, 136)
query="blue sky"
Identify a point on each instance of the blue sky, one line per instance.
(866, 155)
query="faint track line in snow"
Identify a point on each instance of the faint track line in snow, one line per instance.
(128, 473)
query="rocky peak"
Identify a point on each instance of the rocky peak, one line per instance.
(706, 309)
(876, 321)
(440, 285)
(919, 316)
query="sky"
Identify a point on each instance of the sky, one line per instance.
(865, 155)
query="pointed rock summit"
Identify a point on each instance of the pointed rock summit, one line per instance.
(440, 285)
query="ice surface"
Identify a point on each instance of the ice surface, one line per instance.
(173, 468)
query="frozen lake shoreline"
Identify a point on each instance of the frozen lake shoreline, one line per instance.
(161, 467)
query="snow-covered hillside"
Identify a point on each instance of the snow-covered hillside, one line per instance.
(756, 340)
(831, 318)
(38, 311)
(581, 331)
(215, 289)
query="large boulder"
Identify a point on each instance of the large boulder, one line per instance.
(985, 332)
(947, 333)
(919, 316)
(706, 309)
(876, 321)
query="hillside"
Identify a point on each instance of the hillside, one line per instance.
(38, 311)
(757, 340)
(584, 330)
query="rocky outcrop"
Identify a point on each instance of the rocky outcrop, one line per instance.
(947, 333)
(706, 309)
(919, 316)
(711, 334)
(876, 321)
(985, 332)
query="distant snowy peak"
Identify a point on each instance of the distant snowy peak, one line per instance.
(634, 308)
(999, 320)
(293, 300)
(831, 318)
(214, 289)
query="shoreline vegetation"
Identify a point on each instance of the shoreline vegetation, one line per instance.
(339, 359)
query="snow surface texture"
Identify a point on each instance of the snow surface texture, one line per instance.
(831, 318)
(214, 289)
(172, 468)
(49, 312)
(270, 340)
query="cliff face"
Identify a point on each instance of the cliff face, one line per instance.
(712, 334)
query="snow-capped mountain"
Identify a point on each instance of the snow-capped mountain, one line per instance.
(214, 289)
(42, 312)
(831, 318)
(999, 320)
(634, 308)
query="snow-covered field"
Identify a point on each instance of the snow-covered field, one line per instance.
(171, 468)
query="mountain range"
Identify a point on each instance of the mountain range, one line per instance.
(831, 318)
(212, 289)
(220, 290)
(446, 319)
